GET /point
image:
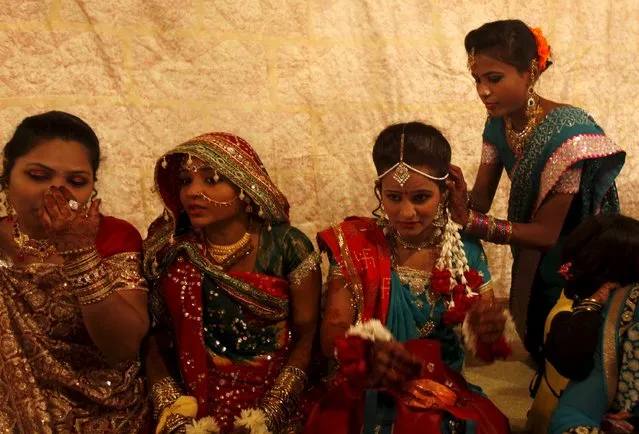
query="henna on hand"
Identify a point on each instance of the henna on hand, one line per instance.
(68, 229)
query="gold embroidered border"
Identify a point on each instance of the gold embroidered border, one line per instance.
(352, 272)
(258, 302)
(610, 366)
(577, 148)
(309, 264)
(125, 270)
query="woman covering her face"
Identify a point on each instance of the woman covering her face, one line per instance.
(73, 303)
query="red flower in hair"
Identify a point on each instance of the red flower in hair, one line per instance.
(543, 49)
(473, 278)
(440, 281)
(564, 270)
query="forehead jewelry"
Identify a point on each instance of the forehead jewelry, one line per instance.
(402, 170)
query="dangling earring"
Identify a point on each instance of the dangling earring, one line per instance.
(249, 207)
(532, 104)
(9, 208)
(383, 215)
(441, 217)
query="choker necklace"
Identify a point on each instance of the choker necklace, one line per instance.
(228, 255)
(433, 240)
(39, 249)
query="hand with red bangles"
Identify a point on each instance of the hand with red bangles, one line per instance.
(487, 321)
(458, 196)
(67, 224)
(392, 365)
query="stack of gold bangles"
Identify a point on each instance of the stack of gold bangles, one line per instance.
(587, 305)
(88, 277)
(282, 399)
(489, 228)
(163, 394)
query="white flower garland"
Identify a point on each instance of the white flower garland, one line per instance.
(205, 425)
(453, 257)
(254, 420)
(372, 330)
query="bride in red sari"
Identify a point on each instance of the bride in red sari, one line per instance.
(234, 296)
(397, 287)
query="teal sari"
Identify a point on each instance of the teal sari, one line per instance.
(410, 309)
(611, 386)
(567, 138)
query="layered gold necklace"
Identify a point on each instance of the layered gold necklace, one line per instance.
(228, 255)
(39, 249)
(517, 139)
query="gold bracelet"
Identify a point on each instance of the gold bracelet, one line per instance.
(80, 251)
(82, 264)
(175, 423)
(164, 393)
(95, 292)
(282, 399)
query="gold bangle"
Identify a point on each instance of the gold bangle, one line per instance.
(95, 293)
(82, 264)
(281, 400)
(164, 393)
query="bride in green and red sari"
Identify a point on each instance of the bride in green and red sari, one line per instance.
(235, 295)
(398, 285)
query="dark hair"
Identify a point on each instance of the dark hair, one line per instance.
(46, 126)
(423, 145)
(601, 249)
(509, 41)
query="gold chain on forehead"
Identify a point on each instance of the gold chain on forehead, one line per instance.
(402, 170)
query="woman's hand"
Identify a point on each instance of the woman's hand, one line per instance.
(68, 226)
(458, 196)
(393, 365)
(487, 320)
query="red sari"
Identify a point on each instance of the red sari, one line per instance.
(360, 248)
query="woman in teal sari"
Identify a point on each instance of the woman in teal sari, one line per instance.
(561, 165)
(596, 345)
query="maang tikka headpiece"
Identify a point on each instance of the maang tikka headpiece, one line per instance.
(402, 170)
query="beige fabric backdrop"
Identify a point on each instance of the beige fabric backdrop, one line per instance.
(308, 82)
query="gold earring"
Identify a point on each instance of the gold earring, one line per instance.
(441, 216)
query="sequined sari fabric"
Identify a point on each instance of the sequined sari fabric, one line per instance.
(53, 379)
(567, 139)
(231, 329)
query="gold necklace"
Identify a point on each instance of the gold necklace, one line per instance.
(517, 139)
(433, 240)
(39, 249)
(227, 255)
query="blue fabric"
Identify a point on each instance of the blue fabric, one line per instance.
(405, 318)
(585, 403)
